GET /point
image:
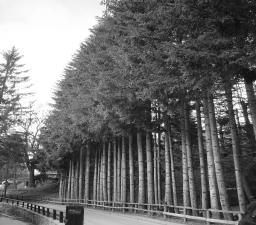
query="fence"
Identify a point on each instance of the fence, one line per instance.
(185, 213)
(45, 211)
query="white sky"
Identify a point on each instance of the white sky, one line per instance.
(47, 33)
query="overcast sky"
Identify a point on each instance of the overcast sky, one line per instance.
(47, 33)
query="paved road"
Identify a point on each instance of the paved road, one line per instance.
(100, 217)
(7, 220)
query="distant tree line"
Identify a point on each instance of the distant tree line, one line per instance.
(159, 105)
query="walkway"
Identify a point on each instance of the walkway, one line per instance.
(101, 217)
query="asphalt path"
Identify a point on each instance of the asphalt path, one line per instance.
(9, 220)
(101, 217)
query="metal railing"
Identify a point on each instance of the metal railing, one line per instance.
(41, 210)
(185, 213)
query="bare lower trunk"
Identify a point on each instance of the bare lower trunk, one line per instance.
(186, 200)
(109, 172)
(210, 160)
(118, 170)
(168, 193)
(95, 177)
(69, 179)
(174, 191)
(104, 172)
(115, 171)
(158, 167)
(248, 127)
(61, 187)
(204, 195)
(87, 173)
(81, 174)
(150, 193)
(155, 170)
(123, 172)
(31, 177)
(252, 102)
(131, 168)
(235, 147)
(216, 154)
(141, 190)
(191, 177)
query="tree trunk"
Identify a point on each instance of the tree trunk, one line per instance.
(87, 173)
(118, 170)
(158, 166)
(115, 171)
(150, 187)
(210, 159)
(72, 180)
(123, 172)
(61, 188)
(155, 170)
(131, 168)
(31, 176)
(252, 102)
(216, 154)
(81, 175)
(204, 195)
(248, 127)
(95, 186)
(174, 191)
(141, 193)
(186, 200)
(235, 146)
(77, 179)
(191, 177)
(168, 193)
(104, 172)
(69, 179)
(100, 176)
(109, 172)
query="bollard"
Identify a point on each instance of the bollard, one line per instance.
(44, 211)
(54, 214)
(48, 212)
(61, 217)
(74, 215)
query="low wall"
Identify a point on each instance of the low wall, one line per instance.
(33, 217)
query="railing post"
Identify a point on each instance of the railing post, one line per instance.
(61, 217)
(43, 210)
(184, 213)
(54, 214)
(31, 206)
(39, 209)
(35, 208)
(23, 204)
(165, 210)
(207, 217)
